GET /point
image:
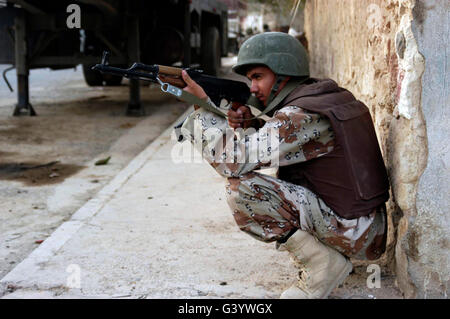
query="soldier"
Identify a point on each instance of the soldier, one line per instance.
(327, 203)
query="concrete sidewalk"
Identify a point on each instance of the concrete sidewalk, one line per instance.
(158, 230)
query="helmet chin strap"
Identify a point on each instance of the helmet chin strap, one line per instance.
(274, 99)
(276, 86)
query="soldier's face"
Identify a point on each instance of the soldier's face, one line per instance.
(262, 81)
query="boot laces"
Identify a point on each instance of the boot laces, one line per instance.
(303, 274)
(303, 277)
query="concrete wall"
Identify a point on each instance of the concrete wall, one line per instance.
(392, 55)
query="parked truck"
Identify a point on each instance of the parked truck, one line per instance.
(41, 34)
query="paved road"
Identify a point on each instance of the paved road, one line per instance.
(39, 79)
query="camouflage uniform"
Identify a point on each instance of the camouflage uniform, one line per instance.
(270, 209)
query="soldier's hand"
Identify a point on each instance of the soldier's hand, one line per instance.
(193, 88)
(239, 117)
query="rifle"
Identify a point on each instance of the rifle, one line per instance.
(234, 92)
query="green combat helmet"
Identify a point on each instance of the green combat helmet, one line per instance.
(279, 51)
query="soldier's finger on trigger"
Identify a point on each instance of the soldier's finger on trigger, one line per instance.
(245, 111)
(235, 121)
(233, 125)
(234, 117)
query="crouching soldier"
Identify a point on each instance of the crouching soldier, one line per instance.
(327, 202)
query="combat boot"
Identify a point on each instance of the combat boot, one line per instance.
(321, 268)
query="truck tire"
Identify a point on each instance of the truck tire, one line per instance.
(112, 80)
(92, 78)
(211, 53)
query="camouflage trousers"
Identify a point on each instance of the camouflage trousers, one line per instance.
(270, 209)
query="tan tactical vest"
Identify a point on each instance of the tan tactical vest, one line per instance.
(352, 179)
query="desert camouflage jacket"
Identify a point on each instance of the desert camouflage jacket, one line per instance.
(291, 136)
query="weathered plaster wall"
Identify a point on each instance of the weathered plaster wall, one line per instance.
(431, 270)
(386, 53)
(353, 42)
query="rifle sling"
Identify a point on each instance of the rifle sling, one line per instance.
(192, 99)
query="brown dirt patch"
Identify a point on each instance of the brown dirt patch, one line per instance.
(36, 174)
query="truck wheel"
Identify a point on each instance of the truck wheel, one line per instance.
(211, 55)
(92, 78)
(112, 80)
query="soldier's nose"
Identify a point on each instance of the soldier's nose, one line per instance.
(254, 88)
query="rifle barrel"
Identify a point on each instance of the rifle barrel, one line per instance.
(128, 73)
